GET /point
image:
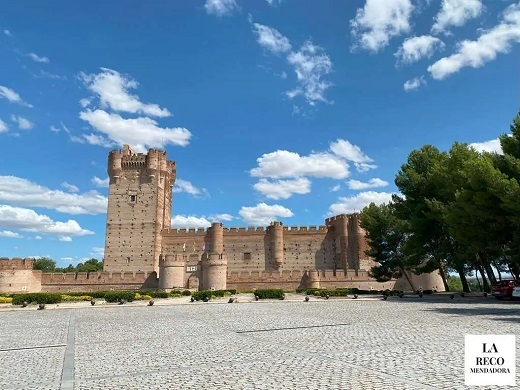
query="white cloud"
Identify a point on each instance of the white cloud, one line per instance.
(3, 127)
(23, 123)
(139, 133)
(475, 54)
(263, 214)
(349, 152)
(190, 221)
(98, 252)
(356, 203)
(23, 192)
(84, 102)
(70, 187)
(335, 188)
(282, 163)
(37, 58)
(492, 146)
(49, 75)
(37, 237)
(415, 48)
(372, 183)
(187, 187)
(100, 182)
(12, 96)
(9, 234)
(111, 87)
(65, 238)
(379, 21)
(414, 84)
(30, 221)
(220, 7)
(456, 13)
(271, 39)
(364, 167)
(283, 189)
(221, 217)
(273, 2)
(8, 33)
(96, 139)
(310, 63)
(55, 129)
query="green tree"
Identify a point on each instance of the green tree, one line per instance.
(44, 264)
(386, 236)
(92, 265)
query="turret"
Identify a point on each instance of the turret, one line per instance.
(114, 165)
(214, 262)
(172, 272)
(275, 231)
(314, 279)
(357, 244)
(338, 224)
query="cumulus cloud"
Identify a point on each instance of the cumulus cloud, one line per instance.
(23, 192)
(3, 127)
(139, 133)
(349, 152)
(492, 146)
(415, 48)
(9, 234)
(271, 39)
(112, 89)
(221, 217)
(379, 21)
(372, 183)
(356, 203)
(311, 64)
(70, 187)
(189, 221)
(100, 182)
(414, 84)
(475, 54)
(65, 238)
(37, 58)
(22, 123)
(456, 13)
(30, 221)
(283, 189)
(220, 7)
(262, 214)
(97, 252)
(12, 96)
(187, 187)
(282, 164)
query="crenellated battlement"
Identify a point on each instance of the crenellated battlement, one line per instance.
(16, 263)
(337, 218)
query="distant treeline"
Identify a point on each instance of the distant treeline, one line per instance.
(48, 265)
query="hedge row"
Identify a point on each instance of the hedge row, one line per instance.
(270, 293)
(18, 299)
(200, 295)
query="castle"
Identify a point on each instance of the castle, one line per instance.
(143, 251)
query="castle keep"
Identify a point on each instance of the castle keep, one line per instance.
(142, 250)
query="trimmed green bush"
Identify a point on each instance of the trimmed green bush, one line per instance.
(200, 295)
(186, 293)
(271, 293)
(50, 298)
(115, 296)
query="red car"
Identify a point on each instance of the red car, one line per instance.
(504, 288)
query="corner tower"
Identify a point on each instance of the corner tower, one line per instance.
(139, 207)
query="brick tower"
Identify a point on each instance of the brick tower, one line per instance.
(139, 207)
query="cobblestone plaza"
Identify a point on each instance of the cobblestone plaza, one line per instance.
(408, 343)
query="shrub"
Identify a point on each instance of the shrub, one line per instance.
(6, 299)
(115, 296)
(18, 299)
(200, 295)
(271, 293)
(186, 293)
(75, 298)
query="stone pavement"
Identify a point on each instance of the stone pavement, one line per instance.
(404, 344)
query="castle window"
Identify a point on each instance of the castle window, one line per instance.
(132, 198)
(247, 256)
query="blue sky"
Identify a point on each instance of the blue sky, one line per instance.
(289, 110)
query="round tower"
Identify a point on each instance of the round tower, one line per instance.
(172, 272)
(339, 224)
(314, 279)
(114, 168)
(276, 240)
(214, 262)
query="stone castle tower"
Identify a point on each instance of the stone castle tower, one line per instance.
(139, 207)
